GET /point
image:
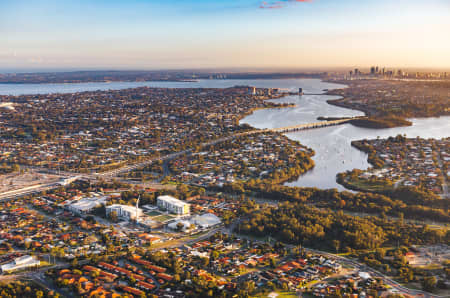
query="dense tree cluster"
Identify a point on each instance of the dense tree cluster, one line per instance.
(411, 202)
(19, 289)
(9, 168)
(297, 223)
(381, 122)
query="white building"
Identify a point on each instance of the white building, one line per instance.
(206, 220)
(124, 211)
(22, 262)
(172, 205)
(364, 275)
(86, 205)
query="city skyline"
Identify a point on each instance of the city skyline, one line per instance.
(245, 34)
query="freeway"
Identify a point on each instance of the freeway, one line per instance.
(114, 173)
(127, 168)
(133, 166)
(14, 194)
(305, 126)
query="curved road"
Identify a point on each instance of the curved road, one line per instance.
(353, 263)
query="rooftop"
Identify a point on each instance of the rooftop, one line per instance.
(172, 200)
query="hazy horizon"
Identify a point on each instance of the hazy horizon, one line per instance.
(243, 34)
(220, 70)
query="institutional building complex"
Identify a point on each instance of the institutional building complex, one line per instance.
(124, 211)
(172, 205)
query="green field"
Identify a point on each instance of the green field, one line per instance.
(163, 218)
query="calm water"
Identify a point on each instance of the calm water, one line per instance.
(331, 144)
(20, 89)
(334, 153)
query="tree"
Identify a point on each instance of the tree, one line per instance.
(273, 262)
(180, 226)
(429, 283)
(113, 216)
(214, 255)
(77, 272)
(380, 253)
(132, 280)
(94, 274)
(401, 218)
(205, 262)
(336, 245)
(15, 167)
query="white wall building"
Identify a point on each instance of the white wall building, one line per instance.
(22, 262)
(206, 220)
(124, 211)
(86, 205)
(172, 205)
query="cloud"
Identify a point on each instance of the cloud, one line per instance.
(280, 3)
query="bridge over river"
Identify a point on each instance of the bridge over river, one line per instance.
(132, 166)
(305, 126)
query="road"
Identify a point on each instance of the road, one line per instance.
(13, 194)
(189, 241)
(375, 273)
(38, 276)
(361, 267)
(114, 173)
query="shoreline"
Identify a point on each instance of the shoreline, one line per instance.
(100, 81)
(376, 121)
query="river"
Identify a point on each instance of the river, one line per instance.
(331, 144)
(20, 89)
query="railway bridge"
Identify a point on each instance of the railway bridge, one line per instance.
(311, 125)
(305, 126)
(129, 167)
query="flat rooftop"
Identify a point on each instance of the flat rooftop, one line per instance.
(172, 200)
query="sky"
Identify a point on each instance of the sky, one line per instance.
(244, 34)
